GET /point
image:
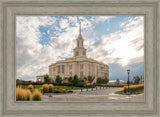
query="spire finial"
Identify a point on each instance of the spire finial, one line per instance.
(79, 27)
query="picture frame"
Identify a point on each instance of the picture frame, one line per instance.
(10, 9)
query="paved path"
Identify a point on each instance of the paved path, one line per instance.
(106, 94)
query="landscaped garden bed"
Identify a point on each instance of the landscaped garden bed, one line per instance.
(29, 94)
(133, 89)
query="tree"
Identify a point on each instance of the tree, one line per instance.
(136, 80)
(46, 78)
(131, 82)
(58, 79)
(90, 79)
(70, 79)
(18, 81)
(99, 80)
(75, 80)
(85, 79)
(117, 81)
(105, 80)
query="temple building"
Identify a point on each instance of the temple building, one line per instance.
(79, 64)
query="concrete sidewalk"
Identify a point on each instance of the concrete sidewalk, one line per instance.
(107, 94)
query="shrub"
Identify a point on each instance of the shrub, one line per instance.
(60, 90)
(133, 88)
(30, 87)
(45, 88)
(103, 85)
(41, 90)
(28, 95)
(50, 88)
(66, 84)
(37, 95)
(80, 84)
(116, 85)
(23, 94)
(88, 85)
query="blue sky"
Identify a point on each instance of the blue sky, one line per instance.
(114, 40)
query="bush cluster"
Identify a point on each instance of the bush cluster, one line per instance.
(88, 85)
(51, 88)
(103, 85)
(60, 90)
(30, 87)
(37, 96)
(47, 88)
(116, 85)
(23, 94)
(133, 88)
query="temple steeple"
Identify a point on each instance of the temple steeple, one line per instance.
(80, 38)
(80, 50)
(79, 27)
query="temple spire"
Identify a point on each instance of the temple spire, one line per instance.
(79, 27)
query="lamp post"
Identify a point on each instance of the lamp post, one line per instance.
(128, 80)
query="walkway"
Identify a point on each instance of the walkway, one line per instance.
(106, 94)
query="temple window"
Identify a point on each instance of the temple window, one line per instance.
(81, 66)
(81, 74)
(63, 69)
(70, 73)
(70, 67)
(53, 69)
(77, 53)
(59, 70)
(83, 53)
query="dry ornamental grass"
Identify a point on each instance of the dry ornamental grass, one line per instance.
(51, 88)
(37, 95)
(134, 88)
(23, 94)
(45, 88)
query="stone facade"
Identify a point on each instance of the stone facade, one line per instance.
(79, 64)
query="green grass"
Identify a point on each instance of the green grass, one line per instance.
(68, 87)
(136, 92)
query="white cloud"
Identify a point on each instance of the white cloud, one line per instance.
(122, 47)
(31, 58)
(102, 18)
(64, 23)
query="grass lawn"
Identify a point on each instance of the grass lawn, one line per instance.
(136, 92)
(68, 87)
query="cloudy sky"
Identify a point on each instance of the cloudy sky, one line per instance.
(114, 40)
